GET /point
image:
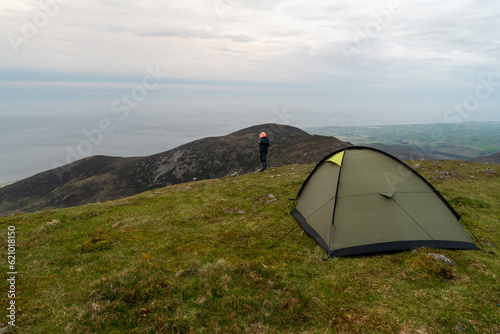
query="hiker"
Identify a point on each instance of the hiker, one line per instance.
(263, 145)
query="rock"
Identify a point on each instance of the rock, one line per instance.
(441, 258)
(241, 212)
(272, 198)
(416, 166)
(491, 171)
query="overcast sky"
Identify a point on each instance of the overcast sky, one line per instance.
(178, 70)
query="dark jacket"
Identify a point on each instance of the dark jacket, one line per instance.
(263, 144)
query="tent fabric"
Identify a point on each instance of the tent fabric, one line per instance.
(361, 200)
(337, 158)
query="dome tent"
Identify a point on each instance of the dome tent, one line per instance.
(361, 200)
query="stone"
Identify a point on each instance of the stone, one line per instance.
(272, 198)
(491, 171)
(441, 258)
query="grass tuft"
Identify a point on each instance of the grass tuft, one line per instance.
(96, 244)
(424, 266)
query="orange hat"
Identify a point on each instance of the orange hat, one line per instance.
(262, 134)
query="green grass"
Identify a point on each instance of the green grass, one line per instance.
(194, 258)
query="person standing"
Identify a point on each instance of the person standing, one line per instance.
(263, 148)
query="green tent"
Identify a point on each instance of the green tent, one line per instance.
(361, 200)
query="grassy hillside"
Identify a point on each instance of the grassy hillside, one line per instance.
(194, 258)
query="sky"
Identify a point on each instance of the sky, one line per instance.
(133, 78)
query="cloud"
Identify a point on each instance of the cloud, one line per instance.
(395, 43)
(188, 33)
(275, 31)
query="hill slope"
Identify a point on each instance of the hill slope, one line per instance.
(439, 141)
(489, 159)
(195, 257)
(101, 178)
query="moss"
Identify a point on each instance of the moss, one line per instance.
(424, 266)
(96, 244)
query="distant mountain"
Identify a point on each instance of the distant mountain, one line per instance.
(102, 178)
(489, 159)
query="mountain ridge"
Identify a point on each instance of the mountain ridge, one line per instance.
(102, 178)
